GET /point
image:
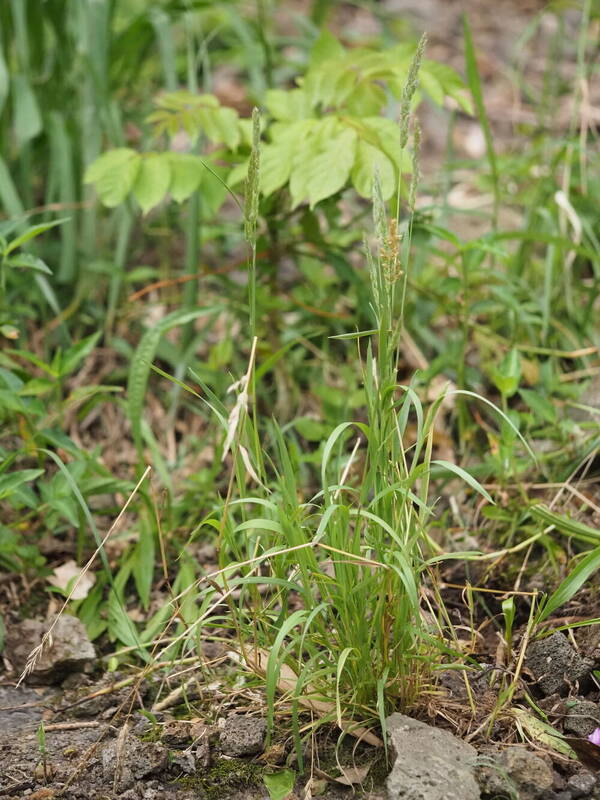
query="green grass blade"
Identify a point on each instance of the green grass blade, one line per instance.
(474, 82)
(588, 565)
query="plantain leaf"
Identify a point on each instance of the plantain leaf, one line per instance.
(280, 784)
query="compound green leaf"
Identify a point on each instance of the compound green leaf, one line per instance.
(368, 160)
(275, 165)
(186, 175)
(326, 47)
(329, 171)
(385, 132)
(113, 174)
(152, 180)
(366, 99)
(288, 106)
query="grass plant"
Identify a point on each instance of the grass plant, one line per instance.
(330, 409)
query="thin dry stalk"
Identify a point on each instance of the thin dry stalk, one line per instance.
(36, 653)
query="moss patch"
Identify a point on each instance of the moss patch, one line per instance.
(224, 777)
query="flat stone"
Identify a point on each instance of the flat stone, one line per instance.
(429, 763)
(243, 735)
(582, 718)
(19, 709)
(516, 772)
(125, 762)
(68, 651)
(582, 784)
(555, 664)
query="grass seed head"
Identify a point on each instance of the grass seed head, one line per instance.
(252, 182)
(410, 87)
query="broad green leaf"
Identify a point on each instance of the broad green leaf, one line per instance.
(508, 374)
(275, 166)
(539, 404)
(280, 784)
(385, 133)
(28, 261)
(431, 85)
(113, 174)
(303, 153)
(451, 83)
(27, 119)
(227, 124)
(288, 105)
(325, 48)
(366, 99)
(152, 181)
(238, 174)
(75, 354)
(369, 160)
(328, 172)
(186, 175)
(10, 482)
(9, 331)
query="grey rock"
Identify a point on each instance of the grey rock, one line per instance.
(18, 708)
(590, 398)
(124, 762)
(481, 681)
(582, 718)
(555, 664)
(243, 736)
(430, 763)
(516, 772)
(140, 724)
(582, 784)
(176, 733)
(184, 761)
(69, 649)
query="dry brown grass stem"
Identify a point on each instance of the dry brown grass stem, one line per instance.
(36, 653)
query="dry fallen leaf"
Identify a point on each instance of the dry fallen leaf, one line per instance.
(64, 578)
(349, 776)
(257, 660)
